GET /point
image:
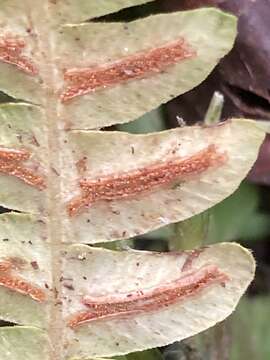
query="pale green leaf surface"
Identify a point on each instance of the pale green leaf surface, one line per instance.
(24, 237)
(15, 21)
(96, 44)
(115, 152)
(22, 126)
(37, 247)
(165, 325)
(79, 46)
(264, 125)
(98, 272)
(81, 10)
(23, 343)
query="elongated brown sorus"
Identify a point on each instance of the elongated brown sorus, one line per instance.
(137, 66)
(17, 284)
(134, 183)
(11, 52)
(149, 300)
(10, 160)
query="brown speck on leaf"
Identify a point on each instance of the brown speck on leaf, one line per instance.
(55, 171)
(34, 265)
(69, 286)
(82, 165)
(34, 141)
(56, 292)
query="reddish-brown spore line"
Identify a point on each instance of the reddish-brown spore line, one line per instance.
(130, 184)
(17, 284)
(137, 66)
(11, 52)
(141, 302)
(10, 164)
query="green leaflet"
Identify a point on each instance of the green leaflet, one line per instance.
(24, 237)
(23, 126)
(104, 153)
(211, 40)
(46, 151)
(103, 273)
(78, 47)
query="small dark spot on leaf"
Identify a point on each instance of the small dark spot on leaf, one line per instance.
(34, 265)
(69, 286)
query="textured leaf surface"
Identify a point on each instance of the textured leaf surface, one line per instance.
(170, 323)
(133, 50)
(204, 43)
(113, 154)
(77, 186)
(106, 277)
(23, 343)
(81, 10)
(138, 206)
(22, 126)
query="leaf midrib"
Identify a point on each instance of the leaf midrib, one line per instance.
(52, 111)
